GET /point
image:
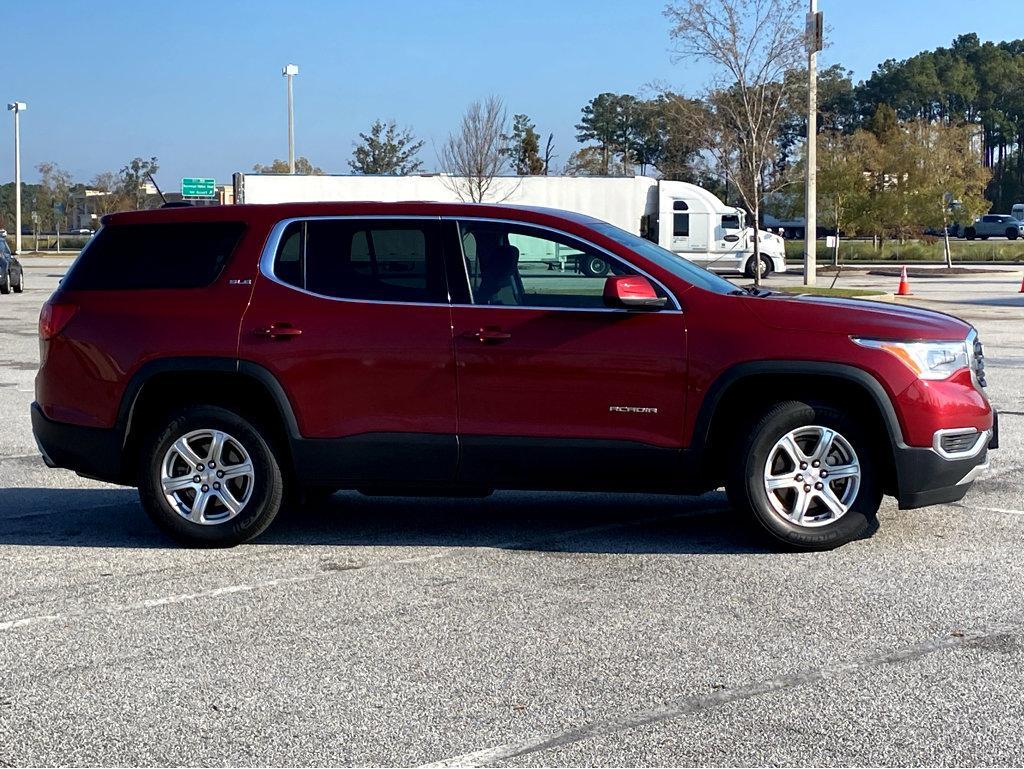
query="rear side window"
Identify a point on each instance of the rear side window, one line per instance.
(141, 256)
(380, 260)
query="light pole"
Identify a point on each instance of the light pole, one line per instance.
(814, 44)
(17, 107)
(289, 72)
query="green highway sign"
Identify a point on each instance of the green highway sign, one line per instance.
(197, 187)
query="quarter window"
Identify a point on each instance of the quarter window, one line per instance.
(517, 265)
(380, 260)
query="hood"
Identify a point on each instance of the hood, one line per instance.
(856, 317)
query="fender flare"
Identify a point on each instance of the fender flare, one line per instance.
(179, 365)
(734, 374)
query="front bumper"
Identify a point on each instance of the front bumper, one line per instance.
(924, 477)
(90, 451)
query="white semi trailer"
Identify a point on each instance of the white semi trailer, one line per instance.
(680, 217)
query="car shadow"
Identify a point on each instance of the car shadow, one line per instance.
(530, 521)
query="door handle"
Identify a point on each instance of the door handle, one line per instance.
(278, 331)
(489, 335)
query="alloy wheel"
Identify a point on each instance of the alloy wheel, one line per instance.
(207, 476)
(811, 476)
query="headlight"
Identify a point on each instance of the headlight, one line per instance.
(928, 360)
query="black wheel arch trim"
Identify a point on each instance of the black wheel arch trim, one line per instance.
(179, 365)
(731, 376)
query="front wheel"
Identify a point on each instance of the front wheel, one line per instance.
(5, 284)
(594, 266)
(970, 233)
(765, 264)
(1012, 233)
(209, 478)
(20, 285)
(807, 475)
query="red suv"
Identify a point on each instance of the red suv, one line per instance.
(221, 358)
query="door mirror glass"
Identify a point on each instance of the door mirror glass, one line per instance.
(631, 292)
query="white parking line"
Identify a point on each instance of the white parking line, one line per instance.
(687, 705)
(150, 603)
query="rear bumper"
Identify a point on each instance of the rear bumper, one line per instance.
(927, 478)
(90, 451)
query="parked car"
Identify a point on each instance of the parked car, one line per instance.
(995, 225)
(12, 277)
(224, 358)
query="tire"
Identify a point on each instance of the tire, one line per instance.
(1012, 233)
(20, 285)
(766, 267)
(5, 284)
(822, 528)
(257, 495)
(970, 233)
(594, 266)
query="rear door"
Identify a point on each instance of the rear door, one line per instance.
(351, 316)
(555, 388)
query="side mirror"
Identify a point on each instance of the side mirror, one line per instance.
(731, 238)
(631, 292)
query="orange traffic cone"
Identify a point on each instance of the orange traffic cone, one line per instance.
(904, 289)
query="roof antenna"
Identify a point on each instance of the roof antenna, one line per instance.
(158, 192)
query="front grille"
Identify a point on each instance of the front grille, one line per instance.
(978, 362)
(955, 444)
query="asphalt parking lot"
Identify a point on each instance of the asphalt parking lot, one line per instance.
(522, 629)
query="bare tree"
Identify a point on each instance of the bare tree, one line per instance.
(473, 156)
(753, 44)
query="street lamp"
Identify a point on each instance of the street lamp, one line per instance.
(290, 71)
(17, 107)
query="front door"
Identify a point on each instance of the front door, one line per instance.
(555, 388)
(351, 316)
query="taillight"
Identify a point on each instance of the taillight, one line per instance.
(54, 317)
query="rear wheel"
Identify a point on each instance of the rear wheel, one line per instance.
(209, 478)
(970, 233)
(1012, 233)
(20, 285)
(806, 474)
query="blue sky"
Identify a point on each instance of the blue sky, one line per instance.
(198, 84)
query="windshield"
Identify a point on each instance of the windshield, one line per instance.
(673, 263)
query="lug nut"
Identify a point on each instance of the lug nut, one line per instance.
(803, 465)
(205, 487)
(818, 486)
(212, 465)
(816, 463)
(216, 485)
(220, 473)
(807, 487)
(196, 479)
(824, 473)
(200, 468)
(799, 477)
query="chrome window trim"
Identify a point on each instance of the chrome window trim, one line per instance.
(973, 451)
(266, 264)
(571, 236)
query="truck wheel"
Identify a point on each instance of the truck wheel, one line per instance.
(970, 233)
(20, 285)
(594, 266)
(208, 478)
(806, 474)
(766, 267)
(1012, 233)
